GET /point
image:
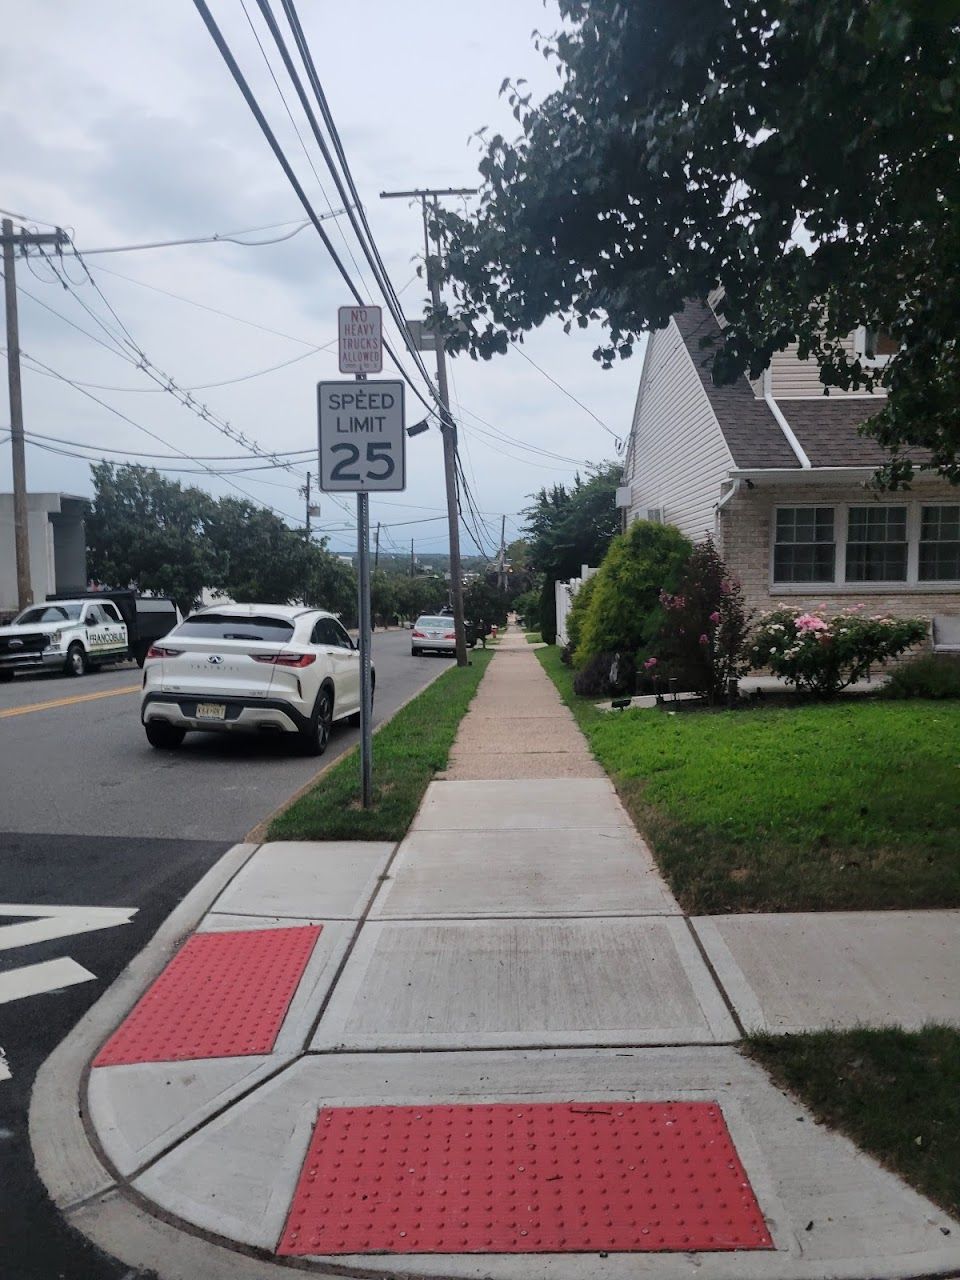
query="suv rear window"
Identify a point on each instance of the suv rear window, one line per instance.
(434, 622)
(225, 626)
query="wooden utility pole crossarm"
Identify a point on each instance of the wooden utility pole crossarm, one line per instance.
(11, 241)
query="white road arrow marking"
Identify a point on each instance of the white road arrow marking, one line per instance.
(35, 979)
(57, 922)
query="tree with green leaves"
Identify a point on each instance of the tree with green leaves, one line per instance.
(148, 532)
(567, 528)
(157, 535)
(805, 157)
(262, 558)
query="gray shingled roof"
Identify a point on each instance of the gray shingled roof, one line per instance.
(826, 426)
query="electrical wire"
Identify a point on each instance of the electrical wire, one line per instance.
(255, 109)
(32, 360)
(131, 453)
(218, 237)
(203, 306)
(349, 195)
(303, 145)
(569, 394)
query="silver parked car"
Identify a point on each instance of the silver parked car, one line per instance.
(431, 631)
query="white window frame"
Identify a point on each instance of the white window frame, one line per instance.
(840, 586)
(860, 347)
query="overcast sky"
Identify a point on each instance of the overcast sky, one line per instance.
(121, 122)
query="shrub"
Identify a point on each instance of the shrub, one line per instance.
(605, 675)
(624, 612)
(578, 611)
(703, 639)
(935, 675)
(527, 607)
(823, 655)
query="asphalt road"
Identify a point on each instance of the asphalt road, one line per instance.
(92, 816)
(85, 767)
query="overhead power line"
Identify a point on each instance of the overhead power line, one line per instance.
(241, 82)
(569, 394)
(32, 360)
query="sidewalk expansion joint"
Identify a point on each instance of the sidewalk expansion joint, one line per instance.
(382, 878)
(731, 1008)
(619, 1049)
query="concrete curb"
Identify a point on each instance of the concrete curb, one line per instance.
(78, 1178)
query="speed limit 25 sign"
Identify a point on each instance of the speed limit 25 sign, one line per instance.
(362, 440)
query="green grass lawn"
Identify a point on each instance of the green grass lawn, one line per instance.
(850, 805)
(407, 751)
(893, 1092)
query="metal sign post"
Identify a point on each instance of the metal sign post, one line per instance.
(362, 450)
(366, 642)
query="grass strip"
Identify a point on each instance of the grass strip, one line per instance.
(407, 751)
(851, 805)
(893, 1092)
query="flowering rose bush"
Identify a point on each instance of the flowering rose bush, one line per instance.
(703, 637)
(823, 655)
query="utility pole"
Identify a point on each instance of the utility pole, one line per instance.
(448, 428)
(10, 241)
(502, 558)
(307, 491)
(376, 554)
(412, 561)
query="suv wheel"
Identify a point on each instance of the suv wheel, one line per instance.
(76, 660)
(163, 735)
(314, 739)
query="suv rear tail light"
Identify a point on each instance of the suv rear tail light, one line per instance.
(419, 635)
(158, 651)
(286, 659)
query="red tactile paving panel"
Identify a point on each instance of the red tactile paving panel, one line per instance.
(514, 1178)
(223, 995)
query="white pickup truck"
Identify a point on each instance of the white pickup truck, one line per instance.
(72, 635)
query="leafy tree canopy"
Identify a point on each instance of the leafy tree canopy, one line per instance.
(146, 531)
(567, 528)
(158, 535)
(806, 157)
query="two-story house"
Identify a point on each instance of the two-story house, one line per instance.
(777, 474)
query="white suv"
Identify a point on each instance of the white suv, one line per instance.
(251, 667)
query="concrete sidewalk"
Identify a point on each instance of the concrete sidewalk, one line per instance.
(518, 947)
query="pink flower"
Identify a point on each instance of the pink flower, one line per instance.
(650, 662)
(810, 622)
(715, 617)
(704, 639)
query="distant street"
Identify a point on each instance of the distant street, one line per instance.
(92, 817)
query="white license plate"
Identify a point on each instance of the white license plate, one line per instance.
(211, 711)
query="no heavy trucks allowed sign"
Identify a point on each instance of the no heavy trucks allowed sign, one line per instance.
(360, 331)
(362, 440)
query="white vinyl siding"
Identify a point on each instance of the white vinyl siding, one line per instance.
(794, 379)
(677, 459)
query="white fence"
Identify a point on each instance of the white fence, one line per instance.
(565, 591)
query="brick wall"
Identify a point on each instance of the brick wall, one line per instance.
(745, 540)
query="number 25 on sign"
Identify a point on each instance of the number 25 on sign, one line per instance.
(361, 437)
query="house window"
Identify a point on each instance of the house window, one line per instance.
(875, 345)
(877, 544)
(940, 544)
(805, 550)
